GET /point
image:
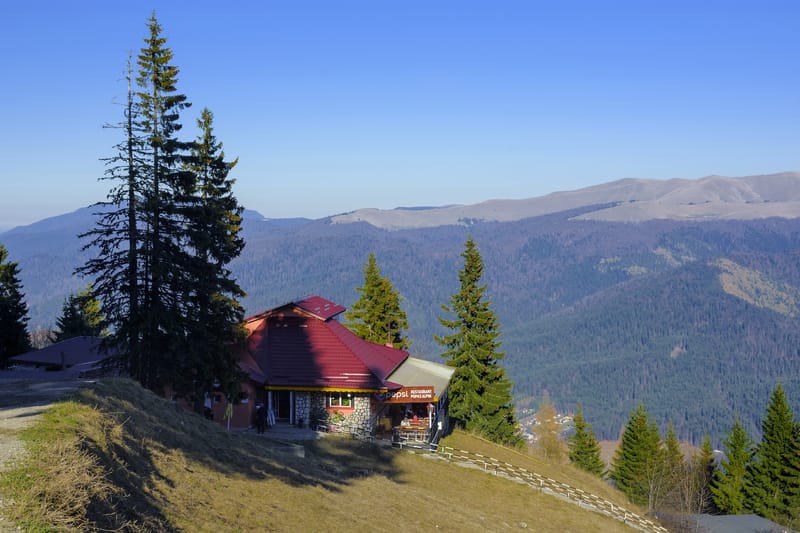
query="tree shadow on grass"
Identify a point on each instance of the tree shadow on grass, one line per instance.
(150, 442)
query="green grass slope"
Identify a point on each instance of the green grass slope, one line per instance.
(116, 457)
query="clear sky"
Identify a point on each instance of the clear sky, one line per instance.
(335, 105)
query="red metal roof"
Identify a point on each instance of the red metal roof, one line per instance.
(320, 307)
(299, 345)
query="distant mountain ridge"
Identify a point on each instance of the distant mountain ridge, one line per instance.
(634, 200)
(697, 316)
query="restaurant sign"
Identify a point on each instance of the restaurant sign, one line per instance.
(407, 395)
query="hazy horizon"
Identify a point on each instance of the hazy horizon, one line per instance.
(333, 107)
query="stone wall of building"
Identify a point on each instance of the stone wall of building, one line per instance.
(302, 408)
(318, 413)
(360, 417)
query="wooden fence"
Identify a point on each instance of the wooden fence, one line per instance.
(494, 466)
(542, 483)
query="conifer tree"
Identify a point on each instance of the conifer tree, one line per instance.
(117, 266)
(213, 224)
(13, 311)
(80, 316)
(377, 316)
(584, 449)
(165, 236)
(479, 392)
(165, 258)
(772, 485)
(673, 459)
(637, 468)
(704, 470)
(727, 485)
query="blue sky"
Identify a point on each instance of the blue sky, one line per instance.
(337, 105)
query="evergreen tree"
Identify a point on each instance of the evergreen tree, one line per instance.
(727, 485)
(13, 311)
(377, 316)
(584, 449)
(80, 316)
(213, 225)
(166, 261)
(479, 392)
(704, 470)
(117, 265)
(772, 485)
(673, 459)
(165, 236)
(637, 468)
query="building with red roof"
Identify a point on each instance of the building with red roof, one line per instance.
(305, 368)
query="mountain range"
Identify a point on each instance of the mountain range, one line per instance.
(682, 294)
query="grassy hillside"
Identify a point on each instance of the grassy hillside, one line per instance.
(116, 457)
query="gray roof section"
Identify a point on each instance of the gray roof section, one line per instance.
(74, 351)
(414, 372)
(743, 523)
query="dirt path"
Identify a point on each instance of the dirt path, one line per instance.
(21, 402)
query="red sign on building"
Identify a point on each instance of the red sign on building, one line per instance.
(407, 395)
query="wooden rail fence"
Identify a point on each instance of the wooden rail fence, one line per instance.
(542, 483)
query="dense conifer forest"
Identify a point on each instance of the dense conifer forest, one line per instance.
(696, 319)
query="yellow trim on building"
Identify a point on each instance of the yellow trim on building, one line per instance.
(321, 389)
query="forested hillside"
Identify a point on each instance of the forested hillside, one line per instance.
(697, 319)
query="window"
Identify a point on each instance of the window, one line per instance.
(340, 399)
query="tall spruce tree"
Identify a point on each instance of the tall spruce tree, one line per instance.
(165, 236)
(772, 485)
(637, 468)
(479, 392)
(80, 316)
(213, 225)
(727, 484)
(13, 311)
(166, 260)
(377, 316)
(117, 266)
(584, 449)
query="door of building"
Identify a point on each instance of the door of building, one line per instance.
(283, 410)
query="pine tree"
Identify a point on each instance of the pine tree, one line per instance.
(727, 485)
(704, 471)
(377, 316)
(584, 449)
(13, 311)
(166, 260)
(479, 392)
(673, 459)
(165, 236)
(117, 266)
(213, 225)
(772, 485)
(638, 465)
(80, 316)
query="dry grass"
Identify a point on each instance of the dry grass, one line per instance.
(119, 458)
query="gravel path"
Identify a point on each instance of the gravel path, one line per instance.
(21, 402)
